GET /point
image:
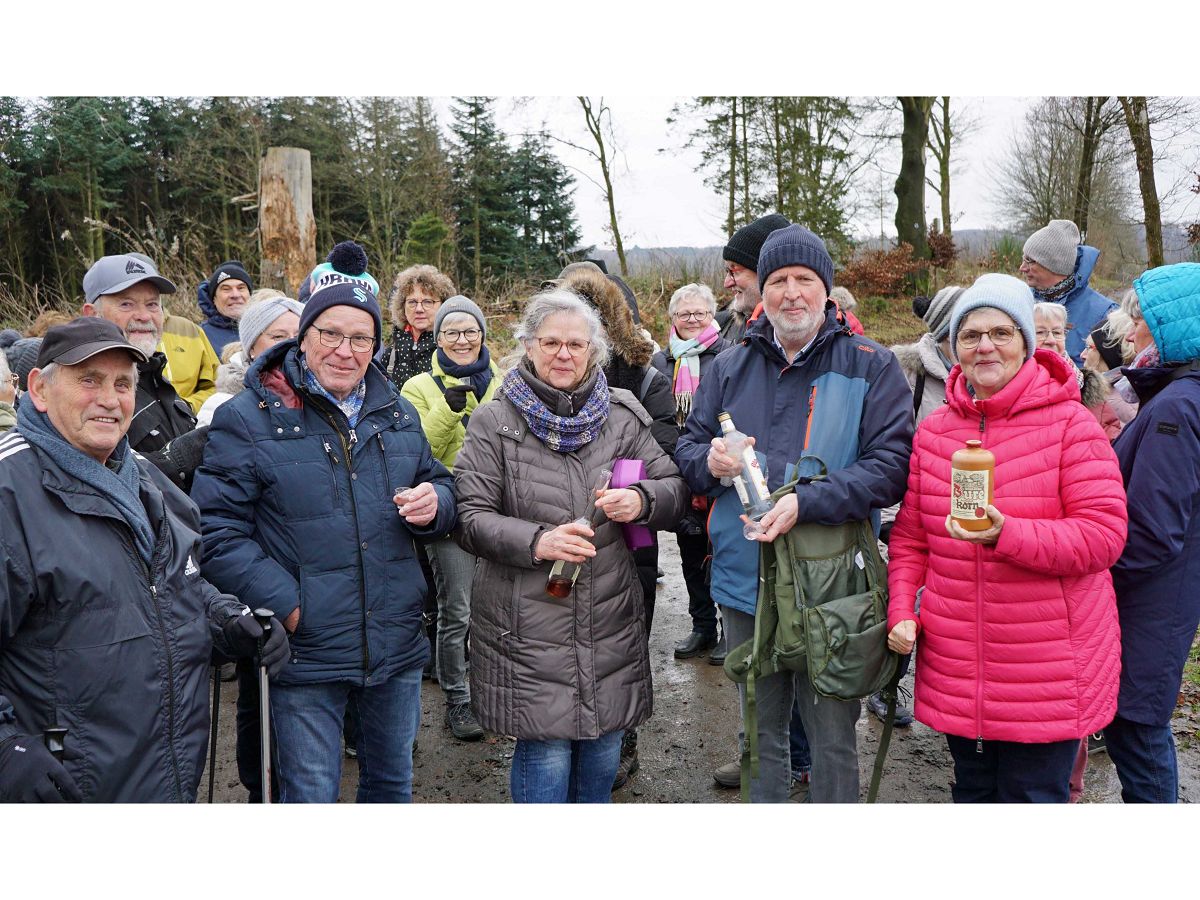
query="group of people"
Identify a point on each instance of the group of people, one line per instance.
(400, 500)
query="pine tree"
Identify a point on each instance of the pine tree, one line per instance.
(548, 228)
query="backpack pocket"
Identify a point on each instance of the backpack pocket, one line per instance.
(846, 642)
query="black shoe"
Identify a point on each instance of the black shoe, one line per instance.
(463, 723)
(717, 656)
(1097, 743)
(695, 644)
(729, 775)
(878, 707)
(629, 760)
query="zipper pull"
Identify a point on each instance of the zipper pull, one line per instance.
(353, 437)
(979, 744)
(154, 589)
(982, 419)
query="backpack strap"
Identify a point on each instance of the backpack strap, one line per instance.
(918, 394)
(889, 694)
(647, 380)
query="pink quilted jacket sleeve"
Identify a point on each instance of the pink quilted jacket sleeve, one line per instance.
(908, 549)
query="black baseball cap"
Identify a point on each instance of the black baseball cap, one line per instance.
(83, 338)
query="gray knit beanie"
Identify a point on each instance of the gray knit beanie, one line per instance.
(258, 318)
(795, 245)
(1055, 246)
(460, 304)
(937, 316)
(1011, 296)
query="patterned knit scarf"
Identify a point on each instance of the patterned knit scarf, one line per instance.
(565, 434)
(350, 407)
(687, 366)
(1056, 291)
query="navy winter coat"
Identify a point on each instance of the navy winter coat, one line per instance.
(1086, 307)
(844, 400)
(92, 640)
(297, 511)
(218, 327)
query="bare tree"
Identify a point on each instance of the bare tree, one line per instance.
(910, 183)
(1137, 120)
(947, 129)
(1096, 121)
(603, 136)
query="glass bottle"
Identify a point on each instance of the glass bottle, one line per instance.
(972, 485)
(751, 482)
(563, 574)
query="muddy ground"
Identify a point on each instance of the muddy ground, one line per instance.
(693, 730)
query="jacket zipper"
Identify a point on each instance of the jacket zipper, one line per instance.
(979, 626)
(149, 570)
(347, 449)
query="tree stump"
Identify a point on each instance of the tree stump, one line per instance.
(286, 227)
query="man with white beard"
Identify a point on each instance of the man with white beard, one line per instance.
(740, 257)
(126, 289)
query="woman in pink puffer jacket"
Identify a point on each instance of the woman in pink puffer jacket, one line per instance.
(1020, 648)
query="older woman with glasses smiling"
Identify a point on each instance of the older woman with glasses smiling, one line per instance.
(417, 294)
(566, 676)
(461, 377)
(692, 344)
(1020, 650)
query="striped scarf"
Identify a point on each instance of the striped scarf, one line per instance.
(687, 366)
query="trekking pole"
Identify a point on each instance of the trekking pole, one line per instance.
(263, 618)
(56, 740)
(212, 737)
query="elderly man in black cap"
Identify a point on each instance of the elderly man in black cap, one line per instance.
(741, 274)
(106, 627)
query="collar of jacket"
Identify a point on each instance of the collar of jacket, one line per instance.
(285, 357)
(760, 336)
(1149, 382)
(83, 500)
(1045, 378)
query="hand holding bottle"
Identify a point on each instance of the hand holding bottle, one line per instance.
(567, 543)
(778, 521)
(725, 458)
(986, 538)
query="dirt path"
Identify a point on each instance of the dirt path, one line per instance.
(693, 730)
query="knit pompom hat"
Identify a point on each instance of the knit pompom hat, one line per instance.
(937, 314)
(1055, 247)
(795, 245)
(1011, 296)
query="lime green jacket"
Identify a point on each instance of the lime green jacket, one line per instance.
(444, 428)
(191, 361)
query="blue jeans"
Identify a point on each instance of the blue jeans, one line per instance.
(1145, 759)
(565, 771)
(453, 571)
(307, 719)
(1010, 772)
(800, 751)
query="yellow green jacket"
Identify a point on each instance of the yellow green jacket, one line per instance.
(191, 361)
(444, 428)
(8, 416)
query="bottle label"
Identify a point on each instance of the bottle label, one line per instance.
(969, 493)
(754, 473)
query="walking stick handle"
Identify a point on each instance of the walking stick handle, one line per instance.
(55, 738)
(263, 617)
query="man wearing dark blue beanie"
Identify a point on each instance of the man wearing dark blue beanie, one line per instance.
(813, 396)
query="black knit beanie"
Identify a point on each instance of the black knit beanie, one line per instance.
(745, 243)
(230, 269)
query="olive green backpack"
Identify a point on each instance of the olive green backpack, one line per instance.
(821, 609)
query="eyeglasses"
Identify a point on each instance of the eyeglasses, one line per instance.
(359, 343)
(453, 334)
(551, 346)
(421, 304)
(1000, 335)
(1043, 333)
(693, 316)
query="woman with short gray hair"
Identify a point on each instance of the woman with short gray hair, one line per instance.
(566, 675)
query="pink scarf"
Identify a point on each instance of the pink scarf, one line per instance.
(687, 366)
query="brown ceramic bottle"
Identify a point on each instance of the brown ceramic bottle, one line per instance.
(972, 483)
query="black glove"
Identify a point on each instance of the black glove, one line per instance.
(242, 634)
(456, 397)
(30, 774)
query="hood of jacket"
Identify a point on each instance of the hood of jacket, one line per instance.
(209, 307)
(1085, 263)
(623, 334)
(1170, 303)
(921, 358)
(1045, 378)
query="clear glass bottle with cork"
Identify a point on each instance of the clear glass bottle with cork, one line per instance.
(563, 574)
(751, 482)
(972, 486)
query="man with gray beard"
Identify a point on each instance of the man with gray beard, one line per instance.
(125, 289)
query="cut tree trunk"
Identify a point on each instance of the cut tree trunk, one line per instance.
(286, 226)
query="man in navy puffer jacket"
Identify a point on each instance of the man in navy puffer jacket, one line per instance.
(315, 481)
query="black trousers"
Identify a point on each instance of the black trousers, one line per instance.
(1009, 772)
(693, 548)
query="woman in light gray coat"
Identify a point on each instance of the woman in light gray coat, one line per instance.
(564, 676)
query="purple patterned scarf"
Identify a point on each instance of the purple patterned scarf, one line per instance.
(565, 434)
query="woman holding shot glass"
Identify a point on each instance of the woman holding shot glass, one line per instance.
(565, 676)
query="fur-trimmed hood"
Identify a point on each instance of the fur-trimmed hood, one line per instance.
(627, 340)
(1094, 390)
(921, 358)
